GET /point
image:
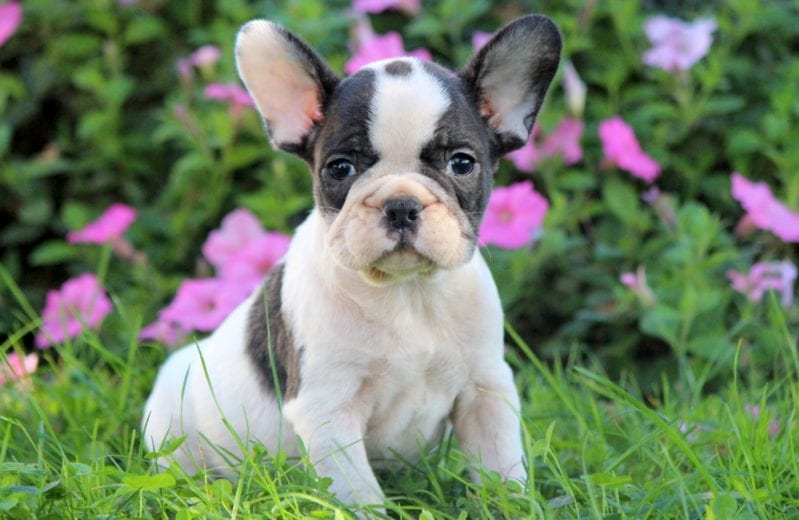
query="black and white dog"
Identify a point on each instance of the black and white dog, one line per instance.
(382, 325)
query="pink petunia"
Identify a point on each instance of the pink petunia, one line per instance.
(637, 283)
(764, 210)
(677, 45)
(109, 227)
(411, 7)
(479, 39)
(203, 304)
(513, 215)
(621, 148)
(239, 228)
(167, 332)
(575, 90)
(81, 302)
(373, 47)
(249, 266)
(205, 56)
(766, 276)
(231, 93)
(10, 18)
(16, 367)
(565, 141)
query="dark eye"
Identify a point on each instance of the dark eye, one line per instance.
(460, 164)
(340, 169)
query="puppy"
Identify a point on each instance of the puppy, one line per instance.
(382, 325)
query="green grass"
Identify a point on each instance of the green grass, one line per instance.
(70, 448)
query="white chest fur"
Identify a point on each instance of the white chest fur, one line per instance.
(403, 353)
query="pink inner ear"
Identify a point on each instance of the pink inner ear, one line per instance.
(487, 111)
(285, 93)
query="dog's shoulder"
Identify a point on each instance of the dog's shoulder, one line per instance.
(270, 344)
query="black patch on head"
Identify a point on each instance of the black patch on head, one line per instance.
(460, 128)
(270, 343)
(344, 133)
(399, 68)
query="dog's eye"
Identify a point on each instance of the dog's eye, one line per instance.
(461, 164)
(340, 169)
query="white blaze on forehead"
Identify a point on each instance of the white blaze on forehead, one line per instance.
(405, 110)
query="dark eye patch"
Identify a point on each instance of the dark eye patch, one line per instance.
(344, 133)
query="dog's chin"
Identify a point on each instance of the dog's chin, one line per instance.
(399, 265)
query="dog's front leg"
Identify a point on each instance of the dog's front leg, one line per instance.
(487, 425)
(332, 427)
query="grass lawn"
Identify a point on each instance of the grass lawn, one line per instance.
(70, 448)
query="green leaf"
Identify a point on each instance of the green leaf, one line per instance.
(663, 322)
(143, 29)
(149, 482)
(609, 480)
(53, 252)
(622, 200)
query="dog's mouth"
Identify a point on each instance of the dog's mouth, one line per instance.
(403, 262)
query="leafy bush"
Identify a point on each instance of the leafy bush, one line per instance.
(96, 110)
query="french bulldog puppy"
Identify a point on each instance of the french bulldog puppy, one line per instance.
(382, 325)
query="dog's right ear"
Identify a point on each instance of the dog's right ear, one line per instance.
(288, 81)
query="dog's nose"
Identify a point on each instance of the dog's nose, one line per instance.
(402, 212)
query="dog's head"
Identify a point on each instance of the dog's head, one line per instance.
(403, 151)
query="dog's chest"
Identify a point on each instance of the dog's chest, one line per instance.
(411, 388)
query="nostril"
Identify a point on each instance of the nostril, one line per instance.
(401, 213)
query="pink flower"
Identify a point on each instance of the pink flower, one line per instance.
(575, 90)
(677, 45)
(621, 148)
(15, 367)
(373, 47)
(109, 227)
(479, 39)
(167, 332)
(513, 215)
(765, 276)
(233, 94)
(637, 283)
(410, 7)
(763, 210)
(526, 158)
(204, 58)
(10, 18)
(203, 304)
(205, 55)
(81, 302)
(239, 228)
(565, 141)
(249, 265)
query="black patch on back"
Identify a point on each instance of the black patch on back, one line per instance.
(267, 330)
(344, 133)
(399, 68)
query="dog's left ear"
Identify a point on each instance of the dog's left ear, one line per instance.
(288, 81)
(510, 75)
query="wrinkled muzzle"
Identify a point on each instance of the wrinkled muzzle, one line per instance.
(395, 226)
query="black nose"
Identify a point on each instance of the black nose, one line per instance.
(402, 212)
